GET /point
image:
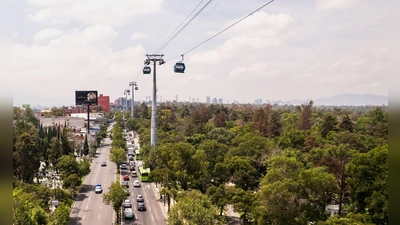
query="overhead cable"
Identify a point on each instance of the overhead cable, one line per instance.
(226, 28)
(174, 36)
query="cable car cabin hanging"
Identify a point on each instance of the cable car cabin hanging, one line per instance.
(146, 70)
(136, 88)
(179, 67)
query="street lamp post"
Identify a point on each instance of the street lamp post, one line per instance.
(134, 87)
(126, 92)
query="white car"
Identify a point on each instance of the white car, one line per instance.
(139, 198)
(136, 183)
(127, 203)
(98, 188)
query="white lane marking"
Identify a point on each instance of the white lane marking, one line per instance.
(83, 217)
(151, 217)
(87, 206)
(98, 217)
(100, 206)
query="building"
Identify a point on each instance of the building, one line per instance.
(208, 99)
(214, 101)
(258, 101)
(220, 101)
(104, 102)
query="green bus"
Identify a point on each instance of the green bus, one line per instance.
(144, 174)
(137, 155)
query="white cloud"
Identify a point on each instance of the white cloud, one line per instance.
(138, 36)
(335, 4)
(47, 33)
(90, 12)
(259, 71)
(15, 35)
(78, 59)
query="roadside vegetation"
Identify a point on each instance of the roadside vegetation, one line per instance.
(273, 164)
(44, 157)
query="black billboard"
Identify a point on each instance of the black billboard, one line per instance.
(86, 97)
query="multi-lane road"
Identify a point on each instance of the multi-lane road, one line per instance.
(89, 207)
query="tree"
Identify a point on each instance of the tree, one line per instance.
(329, 124)
(304, 122)
(118, 156)
(349, 219)
(368, 181)
(61, 214)
(243, 202)
(220, 196)
(193, 208)
(292, 194)
(26, 159)
(116, 196)
(27, 210)
(242, 172)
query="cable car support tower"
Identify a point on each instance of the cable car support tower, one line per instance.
(153, 58)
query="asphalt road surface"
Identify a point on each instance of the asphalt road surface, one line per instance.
(89, 207)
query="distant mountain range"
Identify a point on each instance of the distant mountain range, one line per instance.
(347, 100)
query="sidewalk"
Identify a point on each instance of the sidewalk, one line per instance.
(161, 201)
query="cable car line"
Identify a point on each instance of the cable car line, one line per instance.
(170, 22)
(162, 47)
(158, 49)
(224, 29)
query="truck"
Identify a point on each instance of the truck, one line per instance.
(128, 213)
(131, 152)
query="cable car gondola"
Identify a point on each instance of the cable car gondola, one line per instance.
(146, 70)
(179, 67)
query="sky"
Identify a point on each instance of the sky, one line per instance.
(287, 50)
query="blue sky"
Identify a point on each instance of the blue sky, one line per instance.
(287, 50)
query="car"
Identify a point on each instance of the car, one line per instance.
(139, 198)
(131, 158)
(134, 174)
(125, 183)
(126, 177)
(136, 183)
(132, 168)
(141, 206)
(104, 163)
(128, 213)
(127, 203)
(98, 189)
(123, 166)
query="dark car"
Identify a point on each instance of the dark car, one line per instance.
(104, 163)
(123, 166)
(141, 206)
(125, 183)
(132, 168)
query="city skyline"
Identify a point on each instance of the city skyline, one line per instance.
(284, 51)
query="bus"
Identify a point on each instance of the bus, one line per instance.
(138, 156)
(144, 174)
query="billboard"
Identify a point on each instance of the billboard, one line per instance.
(26, 106)
(86, 97)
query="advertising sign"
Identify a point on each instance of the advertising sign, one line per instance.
(86, 97)
(26, 106)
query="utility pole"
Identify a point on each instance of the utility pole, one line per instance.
(126, 92)
(134, 87)
(154, 59)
